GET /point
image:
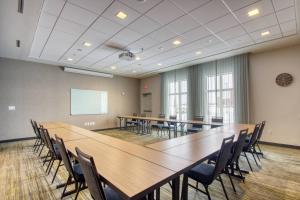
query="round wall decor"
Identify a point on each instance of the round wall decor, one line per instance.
(284, 79)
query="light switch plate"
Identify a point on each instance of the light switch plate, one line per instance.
(11, 107)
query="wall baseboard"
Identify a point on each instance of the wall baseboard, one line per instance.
(280, 145)
(17, 139)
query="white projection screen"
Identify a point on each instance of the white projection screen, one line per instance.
(88, 102)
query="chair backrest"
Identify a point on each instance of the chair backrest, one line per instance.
(239, 144)
(198, 118)
(64, 155)
(216, 120)
(254, 134)
(224, 156)
(41, 133)
(262, 126)
(173, 117)
(37, 130)
(49, 142)
(91, 175)
(33, 127)
(162, 116)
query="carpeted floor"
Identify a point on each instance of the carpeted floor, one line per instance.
(22, 175)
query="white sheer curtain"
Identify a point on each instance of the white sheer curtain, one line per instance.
(175, 93)
(213, 89)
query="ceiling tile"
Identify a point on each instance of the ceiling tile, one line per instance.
(241, 41)
(274, 30)
(232, 33)
(260, 23)
(47, 20)
(281, 4)
(222, 23)
(162, 34)
(128, 35)
(40, 38)
(195, 34)
(164, 12)
(144, 43)
(116, 7)
(183, 24)
(106, 26)
(78, 15)
(285, 15)
(238, 4)
(69, 27)
(53, 7)
(141, 6)
(144, 25)
(57, 44)
(188, 5)
(289, 27)
(265, 7)
(92, 5)
(210, 11)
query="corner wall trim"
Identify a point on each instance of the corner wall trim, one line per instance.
(280, 145)
(17, 139)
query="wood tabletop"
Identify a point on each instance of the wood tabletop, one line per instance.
(223, 131)
(169, 120)
(127, 173)
(65, 134)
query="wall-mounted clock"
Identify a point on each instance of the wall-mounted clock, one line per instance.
(284, 79)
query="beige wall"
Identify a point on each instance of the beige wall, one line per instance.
(42, 92)
(151, 85)
(279, 106)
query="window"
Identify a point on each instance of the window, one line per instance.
(178, 99)
(220, 97)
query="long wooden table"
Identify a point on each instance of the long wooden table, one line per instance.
(134, 171)
(178, 123)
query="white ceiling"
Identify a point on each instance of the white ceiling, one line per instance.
(55, 30)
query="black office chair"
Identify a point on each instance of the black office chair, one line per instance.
(159, 126)
(216, 120)
(207, 173)
(249, 146)
(132, 123)
(171, 126)
(263, 123)
(54, 154)
(196, 127)
(74, 170)
(92, 178)
(37, 142)
(233, 162)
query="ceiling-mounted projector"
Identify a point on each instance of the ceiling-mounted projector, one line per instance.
(128, 56)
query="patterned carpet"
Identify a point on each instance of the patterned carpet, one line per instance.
(22, 175)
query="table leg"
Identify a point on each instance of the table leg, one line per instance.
(175, 188)
(184, 193)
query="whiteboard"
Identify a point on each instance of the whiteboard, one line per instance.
(88, 102)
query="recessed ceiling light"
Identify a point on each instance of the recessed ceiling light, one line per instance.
(133, 71)
(70, 59)
(87, 44)
(177, 42)
(121, 15)
(159, 64)
(137, 58)
(265, 33)
(113, 67)
(161, 48)
(253, 12)
(198, 52)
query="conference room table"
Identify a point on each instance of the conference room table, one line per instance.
(136, 171)
(133, 171)
(147, 121)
